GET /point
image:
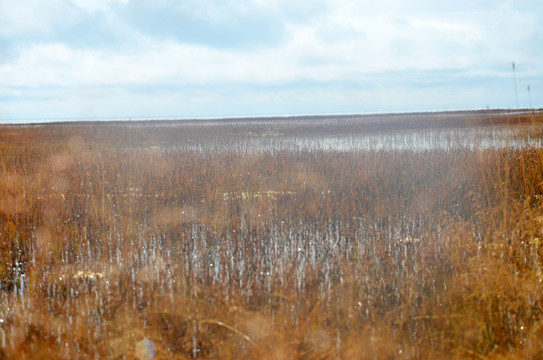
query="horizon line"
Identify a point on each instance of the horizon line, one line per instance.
(122, 119)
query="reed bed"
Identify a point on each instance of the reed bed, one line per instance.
(214, 245)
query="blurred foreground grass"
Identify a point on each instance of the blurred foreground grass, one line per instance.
(109, 236)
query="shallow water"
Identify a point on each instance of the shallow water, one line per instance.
(419, 140)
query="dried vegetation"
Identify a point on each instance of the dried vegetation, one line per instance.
(111, 234)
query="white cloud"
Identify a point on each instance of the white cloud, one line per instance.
(359, 43)
(96, 5)
(19, 18)
(334, 42)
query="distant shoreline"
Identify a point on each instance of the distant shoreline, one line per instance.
(426, 118)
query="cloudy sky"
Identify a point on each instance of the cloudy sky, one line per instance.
(120, 59)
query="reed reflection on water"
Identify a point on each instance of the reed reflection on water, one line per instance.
(419, 140)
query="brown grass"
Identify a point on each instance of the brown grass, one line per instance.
(113, 234)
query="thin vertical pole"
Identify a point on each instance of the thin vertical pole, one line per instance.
(529, 96)
(515, 80)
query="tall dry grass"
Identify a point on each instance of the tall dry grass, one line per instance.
(113, 234)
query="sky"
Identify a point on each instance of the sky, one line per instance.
(156, 59)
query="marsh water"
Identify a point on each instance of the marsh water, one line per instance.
(271, 140)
